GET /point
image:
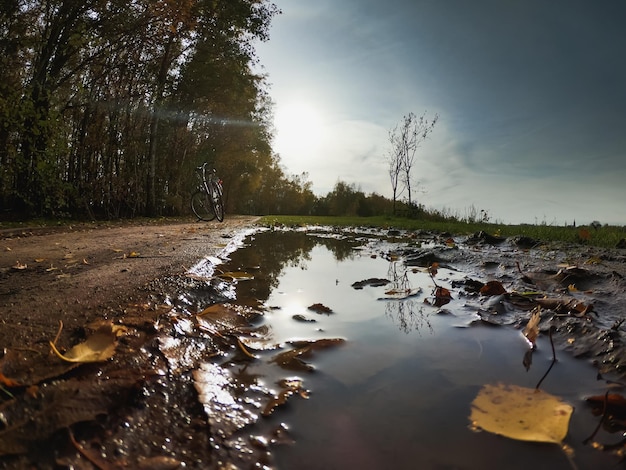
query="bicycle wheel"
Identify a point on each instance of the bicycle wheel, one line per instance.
(216, 200)
(201, 206)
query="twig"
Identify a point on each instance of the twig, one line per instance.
(553, 360)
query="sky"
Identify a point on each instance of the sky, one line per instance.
(530, 94)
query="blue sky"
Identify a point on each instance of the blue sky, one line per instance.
(531, 96)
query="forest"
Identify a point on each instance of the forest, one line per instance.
(108, 106)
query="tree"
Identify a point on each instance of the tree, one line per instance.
(405, 138)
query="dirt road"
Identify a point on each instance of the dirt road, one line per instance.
(78, 274)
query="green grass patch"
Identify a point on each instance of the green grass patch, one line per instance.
(605, 236)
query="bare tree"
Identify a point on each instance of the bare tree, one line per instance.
(405, 138)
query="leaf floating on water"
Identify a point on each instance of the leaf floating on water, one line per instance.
(615, 404)
(292, 359)
(373, 281)
(289, 388)
(320, 308)
(400, 294)
(531, 331)
(97, 348)
(521, 413)
(442, 296)
(492, 288)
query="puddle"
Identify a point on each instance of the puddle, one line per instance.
(395, 387)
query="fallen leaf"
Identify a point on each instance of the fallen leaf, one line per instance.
(374, 282)
(525, 414)
(400, 294)
(531, 331)
(432, 269)
(492, 288)
(442, 296)
(320, 308)
(19, 266)
(39, 260)
(97, 348)
(133, 254)
(615, 403)
(292, 359)
(289, 388)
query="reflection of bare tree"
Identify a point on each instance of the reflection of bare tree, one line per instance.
(406, 313)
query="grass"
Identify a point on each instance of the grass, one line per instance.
(605, 236)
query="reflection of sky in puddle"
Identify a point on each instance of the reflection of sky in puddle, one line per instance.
(398, 393)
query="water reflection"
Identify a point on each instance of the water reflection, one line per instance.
(407, 314)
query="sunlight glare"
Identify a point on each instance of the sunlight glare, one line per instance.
(299, 125)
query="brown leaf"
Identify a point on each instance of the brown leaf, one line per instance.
(320, 308)
(289, 388)
(616, 404)
(432, 269)
(531, 331)
(442, 296)
(492, 288)
(292, 359)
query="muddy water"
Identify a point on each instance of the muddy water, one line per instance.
(397, 392)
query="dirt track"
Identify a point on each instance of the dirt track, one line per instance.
(86, 272)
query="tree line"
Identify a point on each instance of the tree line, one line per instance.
(107, 106)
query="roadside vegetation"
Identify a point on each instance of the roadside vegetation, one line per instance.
(593, 235)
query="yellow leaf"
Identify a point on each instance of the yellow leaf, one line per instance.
(98, 347)
(39, 260)
(572, 288)
(525, 414)
(133, 254)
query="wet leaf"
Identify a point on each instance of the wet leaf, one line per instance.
(525, 414)
(97, 348)
(531, 331)
(320, 308)
(292, 359)
(374, 282)
(616, 404)
(492, 288)
(442, 296)
(289, 388)
(400, 294)
(432, 269)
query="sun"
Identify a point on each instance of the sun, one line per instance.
(298, 124)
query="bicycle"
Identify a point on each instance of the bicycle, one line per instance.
(207, 202)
